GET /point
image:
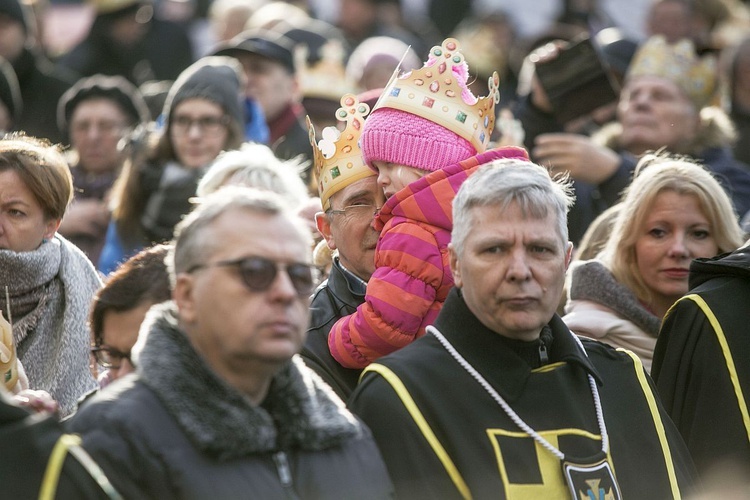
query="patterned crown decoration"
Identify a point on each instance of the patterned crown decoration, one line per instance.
(8, 360)
(337, 156)
(678, 63)
(325, 79)
(437, 92)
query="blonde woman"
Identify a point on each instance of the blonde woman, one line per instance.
(673, 212)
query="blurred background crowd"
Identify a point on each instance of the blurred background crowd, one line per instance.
(157, 103)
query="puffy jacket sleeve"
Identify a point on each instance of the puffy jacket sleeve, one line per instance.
(400, 294)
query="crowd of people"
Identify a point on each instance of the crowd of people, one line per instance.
(253, 250)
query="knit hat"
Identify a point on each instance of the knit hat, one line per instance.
(218, 79)
(428, 118)
(113, 88)
(395, 136)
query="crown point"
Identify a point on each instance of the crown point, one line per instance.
(349, 101)
(448, 102)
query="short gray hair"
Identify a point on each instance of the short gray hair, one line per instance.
(190, 248)
(502, 182)
(255, 165)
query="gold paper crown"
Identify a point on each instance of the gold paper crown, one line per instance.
(338, 158)
(433, 92)
(680, 64)
(325, 79)
(8, 360)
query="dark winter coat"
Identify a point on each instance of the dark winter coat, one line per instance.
(702, 361)
(176, 430)
(455, 441)
(339, 296)
(26, 443)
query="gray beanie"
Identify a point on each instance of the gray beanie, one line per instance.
(218, 79)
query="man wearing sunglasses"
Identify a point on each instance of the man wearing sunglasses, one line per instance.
(220, 406)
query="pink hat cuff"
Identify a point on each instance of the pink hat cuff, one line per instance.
(413, 151)
(399, 137)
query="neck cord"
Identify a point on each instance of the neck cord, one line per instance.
(509, 411)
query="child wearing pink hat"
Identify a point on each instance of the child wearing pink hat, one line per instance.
(426, 135)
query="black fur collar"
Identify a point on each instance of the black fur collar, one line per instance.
(300, 412)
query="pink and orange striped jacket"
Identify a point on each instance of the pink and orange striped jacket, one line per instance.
(412, 276)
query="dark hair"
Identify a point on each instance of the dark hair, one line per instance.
(141, 279)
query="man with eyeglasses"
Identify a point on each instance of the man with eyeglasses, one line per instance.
(119, 308)
(220, 406)
(350, 201)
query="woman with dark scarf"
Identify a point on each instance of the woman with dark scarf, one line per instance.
(49, 282)
(203, 116)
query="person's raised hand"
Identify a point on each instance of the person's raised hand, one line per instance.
(576, 154)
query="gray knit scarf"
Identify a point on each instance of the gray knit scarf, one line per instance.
(50, 291)
(591, 280)
(299, 412)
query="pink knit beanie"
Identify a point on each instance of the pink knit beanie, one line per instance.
(395, 136)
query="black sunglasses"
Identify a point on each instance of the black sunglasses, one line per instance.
(109, 357)
(259, 273)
